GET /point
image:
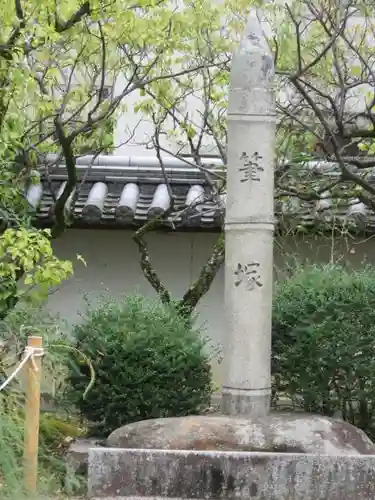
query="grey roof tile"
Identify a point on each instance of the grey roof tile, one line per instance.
(129, 196)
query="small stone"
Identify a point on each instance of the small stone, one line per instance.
(77, 461)
(77, 454)
(278, 433)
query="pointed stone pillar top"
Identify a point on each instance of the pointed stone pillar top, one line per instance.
(253, 62)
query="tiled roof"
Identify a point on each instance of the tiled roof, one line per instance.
(127, 196)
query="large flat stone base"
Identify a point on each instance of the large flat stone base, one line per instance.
(119, 474)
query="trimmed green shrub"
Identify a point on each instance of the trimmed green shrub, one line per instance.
(324, 342)
(149, 362)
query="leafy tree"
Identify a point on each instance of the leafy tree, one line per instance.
(324, 58)
(58, 65)
(27, 254)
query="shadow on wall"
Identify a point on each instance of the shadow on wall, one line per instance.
(349, 250)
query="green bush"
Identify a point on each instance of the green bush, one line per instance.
(148, 363)
(11, 449)
(324, 342)
(55, 436)
(55, 432)
(14, 330)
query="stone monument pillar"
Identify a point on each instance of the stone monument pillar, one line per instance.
(249, 226)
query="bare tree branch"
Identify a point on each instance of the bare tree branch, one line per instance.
(206, 276)
(146, 266)
(61, 26)
(66, 146)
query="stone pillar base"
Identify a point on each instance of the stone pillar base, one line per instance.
(245, 403)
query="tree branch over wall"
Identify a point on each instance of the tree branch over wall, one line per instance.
(145, 262)
(206, 276)
(322, 59)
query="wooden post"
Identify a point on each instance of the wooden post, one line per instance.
(32, 415)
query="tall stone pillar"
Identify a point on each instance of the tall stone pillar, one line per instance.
(249, 227)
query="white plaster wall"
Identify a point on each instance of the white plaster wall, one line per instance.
(113, 265)
(134, 131)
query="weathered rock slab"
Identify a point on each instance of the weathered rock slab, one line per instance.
(76, 460)
(78, 453)
(117, 474)
(278, 433)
